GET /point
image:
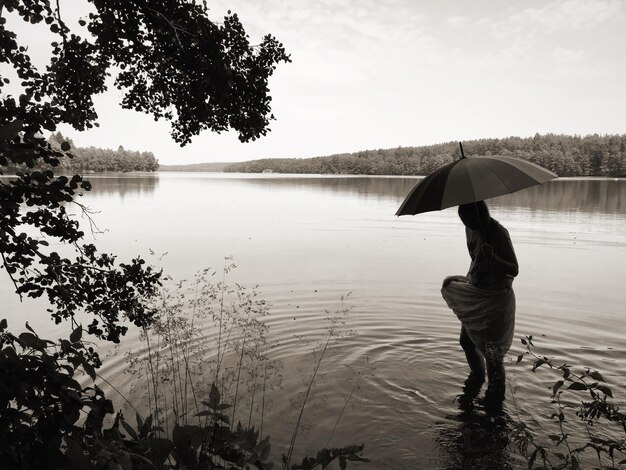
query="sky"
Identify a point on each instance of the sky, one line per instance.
(373, 74)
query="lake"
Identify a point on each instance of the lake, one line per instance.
(308, 240)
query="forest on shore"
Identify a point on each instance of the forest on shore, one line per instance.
(566, 155)
(197, 167)
(95, 160)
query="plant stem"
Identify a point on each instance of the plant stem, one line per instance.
(306, 397)
(263, 400)
(243, 347)
(154, 378)
(356, 384)
(252, 403)
(120, 394)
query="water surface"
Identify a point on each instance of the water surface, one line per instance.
(308, 240)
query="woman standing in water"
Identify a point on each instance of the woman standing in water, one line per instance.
(484, 300)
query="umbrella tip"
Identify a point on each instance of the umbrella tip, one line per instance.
(462, 153)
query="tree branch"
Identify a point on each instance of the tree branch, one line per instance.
(61, 23)
(172, 25)
(5, 264)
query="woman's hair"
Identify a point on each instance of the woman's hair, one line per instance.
(474, 210)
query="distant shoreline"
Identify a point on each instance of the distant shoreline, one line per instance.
(117, 174)
(328, 175)
(214, 167)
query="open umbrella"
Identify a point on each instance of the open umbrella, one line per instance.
(472, 179)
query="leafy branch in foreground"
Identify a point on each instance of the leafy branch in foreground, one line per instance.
(158, 52)
(600, 428)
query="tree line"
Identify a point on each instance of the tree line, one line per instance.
(94, 160)
(566, 155)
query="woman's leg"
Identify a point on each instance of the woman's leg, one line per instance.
(497, 377)
(473, 355)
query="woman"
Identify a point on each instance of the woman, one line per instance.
(484, 300)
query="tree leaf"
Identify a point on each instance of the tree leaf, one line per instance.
(538, 363)
(128, 428)
(214, 397)
(139, 421)
(11, 130)
(91, 372)
(160, 449)
(595, 375)
(577, 386)
(28, 327)
(556, 387)
(186, 436)
(144, 431)
(29, 340)
(76, 334)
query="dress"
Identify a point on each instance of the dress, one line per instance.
(484, 300)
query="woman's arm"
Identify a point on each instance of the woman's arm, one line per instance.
(501, 253)
(510, 265)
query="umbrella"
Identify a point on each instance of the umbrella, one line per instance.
(472, 179)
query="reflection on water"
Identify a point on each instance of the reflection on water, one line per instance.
(477, 435)
(566, 194)
(569, 194)
(123, 185)
(585, 195)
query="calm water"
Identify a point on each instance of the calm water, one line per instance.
(308, 240)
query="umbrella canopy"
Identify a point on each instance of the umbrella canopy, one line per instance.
(472, 179)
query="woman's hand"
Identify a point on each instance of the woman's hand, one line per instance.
(486, 251)
(450, 279)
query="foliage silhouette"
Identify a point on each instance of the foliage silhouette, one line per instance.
(161, 51)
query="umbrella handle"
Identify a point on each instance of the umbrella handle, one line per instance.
(480, 223)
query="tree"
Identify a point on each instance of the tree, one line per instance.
(174, 63)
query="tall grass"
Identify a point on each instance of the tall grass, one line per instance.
(207, 331)
(209, 349)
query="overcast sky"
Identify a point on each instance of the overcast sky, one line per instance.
(378, 74)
